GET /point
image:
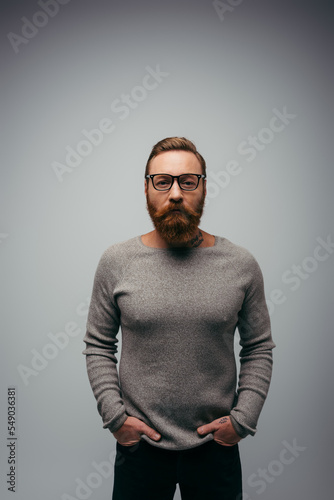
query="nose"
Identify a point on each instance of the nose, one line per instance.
(175, 192)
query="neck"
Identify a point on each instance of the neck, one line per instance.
(199, 239)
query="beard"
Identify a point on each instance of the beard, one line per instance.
(176, 227)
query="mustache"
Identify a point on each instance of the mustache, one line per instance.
(176, 206)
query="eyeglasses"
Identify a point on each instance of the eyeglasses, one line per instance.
(164, 182)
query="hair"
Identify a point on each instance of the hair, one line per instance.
(175, 144)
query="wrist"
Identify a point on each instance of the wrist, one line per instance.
(239, 430)
(116, 425)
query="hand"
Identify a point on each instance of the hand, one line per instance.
(223, 431)
(131, 431)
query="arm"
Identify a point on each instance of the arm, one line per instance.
(101, 348)
(255, 355)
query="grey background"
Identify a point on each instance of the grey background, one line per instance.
(225, 77)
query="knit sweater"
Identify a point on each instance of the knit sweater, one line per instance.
(178, 310)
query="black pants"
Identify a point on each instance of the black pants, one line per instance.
(208, 472)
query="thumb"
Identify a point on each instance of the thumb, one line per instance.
(205, 429)
(151, 433)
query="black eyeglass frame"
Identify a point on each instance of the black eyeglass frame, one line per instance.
(199, 177)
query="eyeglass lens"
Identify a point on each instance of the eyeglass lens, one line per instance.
(188, 182)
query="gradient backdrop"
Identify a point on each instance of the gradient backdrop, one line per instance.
(87, 89)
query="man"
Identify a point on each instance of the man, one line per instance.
(178, 294)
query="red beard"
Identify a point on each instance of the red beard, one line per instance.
(176, 227)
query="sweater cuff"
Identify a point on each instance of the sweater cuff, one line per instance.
(239, 429)
(116, 423)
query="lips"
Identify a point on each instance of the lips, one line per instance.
(176, 209)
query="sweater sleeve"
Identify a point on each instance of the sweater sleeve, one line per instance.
(101, 347)
(255, 355)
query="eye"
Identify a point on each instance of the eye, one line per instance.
(189, 182)
(161, 183)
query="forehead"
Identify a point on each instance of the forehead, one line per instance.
(176, 163)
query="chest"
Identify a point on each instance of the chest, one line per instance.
(180, 293)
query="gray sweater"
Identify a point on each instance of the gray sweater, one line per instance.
(178, 310)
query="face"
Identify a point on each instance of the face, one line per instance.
(175, 213)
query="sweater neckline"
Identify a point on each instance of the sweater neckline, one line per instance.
(178, 249)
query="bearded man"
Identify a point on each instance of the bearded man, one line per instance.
(178, 293)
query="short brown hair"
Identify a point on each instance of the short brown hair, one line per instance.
(175, 144)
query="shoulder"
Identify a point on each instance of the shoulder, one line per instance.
(122, 247)
(242, 259)
(117, 256)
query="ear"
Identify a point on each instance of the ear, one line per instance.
(146, 186)
(204, 187)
